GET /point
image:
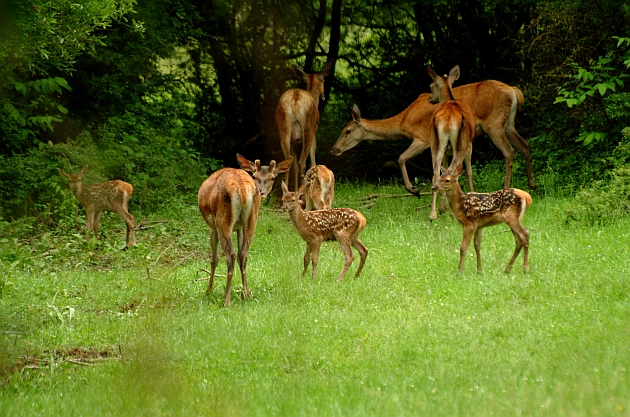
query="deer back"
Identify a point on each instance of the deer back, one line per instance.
(329, 224)
(492, 208)
(318, 189)
(229, 196)
(454, 117)
(107, 195)
(295, 111)
(102, 196)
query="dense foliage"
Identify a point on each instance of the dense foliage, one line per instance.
(160, 93)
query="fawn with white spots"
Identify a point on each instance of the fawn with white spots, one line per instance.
(474, 211)
(110, 195)
(315, 227)
(318, 190)
(452, 124)
(229, 201)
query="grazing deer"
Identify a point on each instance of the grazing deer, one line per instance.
(96, 198)
(297, 117)
(475, 211)
(315, 227)
(229, 201)
(493, 103)
(318, 191)
(452, 125)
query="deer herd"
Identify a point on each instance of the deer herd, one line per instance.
(446, 121)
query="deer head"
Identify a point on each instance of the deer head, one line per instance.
(441, 87)
(352, 134)
(74, 180)
(264, 176)
(315, 82)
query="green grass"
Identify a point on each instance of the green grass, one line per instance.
(409, 337)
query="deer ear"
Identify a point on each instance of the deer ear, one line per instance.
(459, 169)
(356, 114)
(327, 68)
(299, 73)
(453, 75)
(283, 166)
(245, 163)
(83, 170)
(63, 173)
(442, 170)
(284, 188)
(432, 73)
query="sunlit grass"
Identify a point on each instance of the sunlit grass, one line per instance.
(409, 337)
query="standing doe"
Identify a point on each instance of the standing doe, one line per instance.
(297, 117)
(318, 190)
(229, 201)
(96, 198)
(474, 211)
(315, 227)
(452, 124)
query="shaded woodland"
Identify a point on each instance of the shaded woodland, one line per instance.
(160, 93)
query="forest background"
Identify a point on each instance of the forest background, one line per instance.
(160, 93)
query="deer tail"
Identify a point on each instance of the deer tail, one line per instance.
(519, 96)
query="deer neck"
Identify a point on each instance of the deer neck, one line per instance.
(315, 96)
(297, 215)
(78, 193)
(447, 94)
(384, 129)
(455, 197)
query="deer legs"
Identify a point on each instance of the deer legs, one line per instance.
(214, 244)
(521, 238)
(312, 255)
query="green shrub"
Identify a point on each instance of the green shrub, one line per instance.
(606, 200)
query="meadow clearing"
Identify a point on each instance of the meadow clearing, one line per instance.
(90, 330)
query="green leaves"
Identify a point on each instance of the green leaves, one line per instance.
(589, 138)
(590, 81)
(36, 106)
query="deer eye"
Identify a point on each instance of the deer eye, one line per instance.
(348, 131)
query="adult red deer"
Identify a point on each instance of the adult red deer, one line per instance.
(297, 117)
(476, 211)
(493, 103)
(229, 201)
(452, 125)
(105, 196)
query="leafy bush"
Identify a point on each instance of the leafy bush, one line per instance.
(156, 157)
(606, 200)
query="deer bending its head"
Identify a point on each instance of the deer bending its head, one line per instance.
(297, 117)
(106, 196)
(229, 201)
(315, 227)
(452, 125)
(318, 190)
(475, 211)
(494, 106)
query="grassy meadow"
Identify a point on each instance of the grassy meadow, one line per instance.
(90, 330)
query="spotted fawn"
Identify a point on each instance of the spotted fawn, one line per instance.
(474, 211)
(315, 227)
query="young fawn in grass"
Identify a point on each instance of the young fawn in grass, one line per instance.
(318, 190)
(315, 227)
(229, 201)
(96, 198)
(474, 211)
(452, 125)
